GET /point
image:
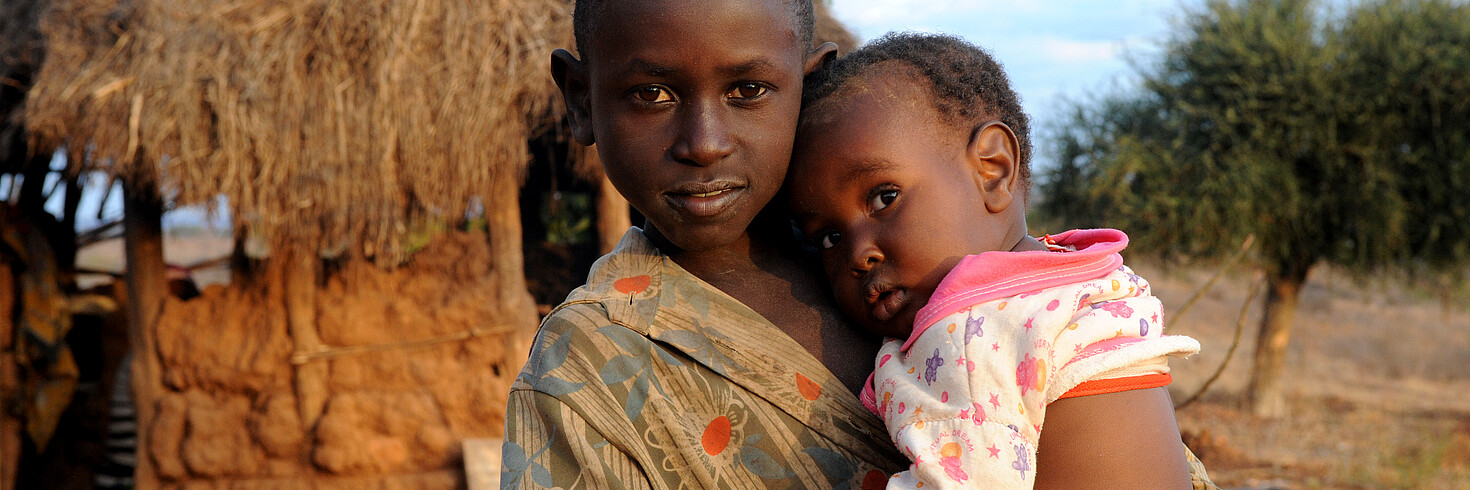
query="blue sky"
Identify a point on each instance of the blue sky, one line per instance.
(1052, 50)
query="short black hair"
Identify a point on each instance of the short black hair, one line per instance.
(586, 13)
(967, 85)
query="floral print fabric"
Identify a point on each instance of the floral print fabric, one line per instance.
(648, 377)
(966, 400)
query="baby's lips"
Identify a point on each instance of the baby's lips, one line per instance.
(887, 306)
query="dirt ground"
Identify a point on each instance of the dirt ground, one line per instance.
(1378, 383)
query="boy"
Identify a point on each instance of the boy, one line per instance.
(703, 351)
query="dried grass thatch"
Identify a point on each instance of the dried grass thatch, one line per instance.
(830, 30)
(20, 55)
(323, 122)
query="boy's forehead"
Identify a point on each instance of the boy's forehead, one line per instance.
(618, 20)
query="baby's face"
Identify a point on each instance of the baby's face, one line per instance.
(881, 186)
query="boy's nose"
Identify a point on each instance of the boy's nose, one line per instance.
(704, 136)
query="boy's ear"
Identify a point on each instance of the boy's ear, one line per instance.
(570, 74)
(994, 156)
(820, 56)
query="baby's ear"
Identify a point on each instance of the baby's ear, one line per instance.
(994, 156)
(570, 75)
(820, 56)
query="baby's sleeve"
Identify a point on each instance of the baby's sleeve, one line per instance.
(1114, 341)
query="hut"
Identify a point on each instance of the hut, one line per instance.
(370, 155)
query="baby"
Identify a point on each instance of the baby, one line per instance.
(910, 175)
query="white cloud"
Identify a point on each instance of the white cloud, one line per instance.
(874, 17)
(1073, 51)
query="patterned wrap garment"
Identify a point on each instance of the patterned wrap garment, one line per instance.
(648, 377)
(1005, 334)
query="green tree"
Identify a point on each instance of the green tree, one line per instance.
(1317, 135)
(1405, 85)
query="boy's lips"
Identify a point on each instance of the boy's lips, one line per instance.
(704, 199)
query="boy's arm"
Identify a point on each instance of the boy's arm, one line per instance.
(1127, 439)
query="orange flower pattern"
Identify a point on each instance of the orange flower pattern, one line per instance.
(647, 377)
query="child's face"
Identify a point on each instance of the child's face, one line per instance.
(891, 196)
(693, 107)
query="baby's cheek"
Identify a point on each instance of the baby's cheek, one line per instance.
(848, 302)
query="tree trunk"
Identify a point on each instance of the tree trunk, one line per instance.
(147, 285)
(1283, 290)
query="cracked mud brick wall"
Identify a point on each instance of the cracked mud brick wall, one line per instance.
(230, 414)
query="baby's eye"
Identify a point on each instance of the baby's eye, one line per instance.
(652, 94)
(828, 240)
(882, 199)
(746, 90)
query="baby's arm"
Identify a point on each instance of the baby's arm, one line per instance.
(1127, 439)
(1120, 439)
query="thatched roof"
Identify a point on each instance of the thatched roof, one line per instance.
(322, 121)
(829, 29)
(20, 55)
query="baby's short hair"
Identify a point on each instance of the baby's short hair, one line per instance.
(967, 86)
(586, 13)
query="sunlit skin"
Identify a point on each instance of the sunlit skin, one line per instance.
(694, 129)
(881, 189)
(693, 108)
(895, 194)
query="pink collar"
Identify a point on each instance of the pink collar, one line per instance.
(994, 275)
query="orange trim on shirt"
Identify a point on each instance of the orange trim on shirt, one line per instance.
(1115, 385)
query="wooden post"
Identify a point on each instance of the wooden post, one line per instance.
(10, 426)
(300, 280)
(613, 218)
(147, 287)
(503, 227)
(66, 246)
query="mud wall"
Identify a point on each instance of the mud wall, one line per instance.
(403, 366)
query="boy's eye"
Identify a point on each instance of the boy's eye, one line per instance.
(882, 199)
(653, 94)
(829, 240)
(746, 91)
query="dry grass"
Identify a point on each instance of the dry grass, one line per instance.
(325, 122)
(1379, 387)
(20, 53)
